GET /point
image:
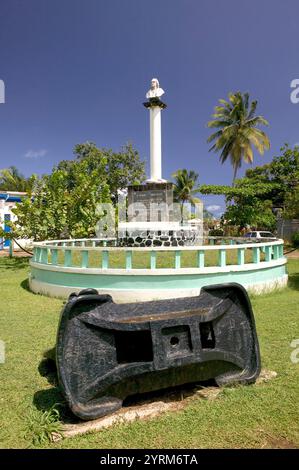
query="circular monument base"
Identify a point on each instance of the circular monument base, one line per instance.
(145, 284)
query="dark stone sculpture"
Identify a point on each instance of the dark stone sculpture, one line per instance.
(107, 352)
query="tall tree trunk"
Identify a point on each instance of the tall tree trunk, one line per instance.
(182, 212)
(235, 175)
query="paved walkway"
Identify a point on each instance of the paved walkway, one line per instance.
(17, 254)
(294, 254)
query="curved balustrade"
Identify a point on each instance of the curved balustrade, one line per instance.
(60, 267)
(47, 252)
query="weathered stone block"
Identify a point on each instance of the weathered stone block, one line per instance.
(107, 352)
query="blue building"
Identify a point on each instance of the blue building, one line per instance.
(8, 200)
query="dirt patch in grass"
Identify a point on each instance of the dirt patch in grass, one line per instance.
(281, 443)
(292, 254)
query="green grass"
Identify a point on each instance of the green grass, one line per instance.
(253, 416)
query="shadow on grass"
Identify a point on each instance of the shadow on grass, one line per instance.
(20, 262)
(43, 400)
(25, 285)
(294, 281)
(47, 369)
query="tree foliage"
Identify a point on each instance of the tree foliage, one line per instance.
(291, 208)
(253, 198)
(63, 204)
(121, 169)
(282, 173)
(243, 187)
(185, 188)
(66, 203)
(252, 212)
(238, 130)
(11, 179)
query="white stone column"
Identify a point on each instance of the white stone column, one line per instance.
(155, 144)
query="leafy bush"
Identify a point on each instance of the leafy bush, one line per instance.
(295, 239)
(216, 232)
(66, 203)
(231, 231)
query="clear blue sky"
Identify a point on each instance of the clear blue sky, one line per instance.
(77, 70)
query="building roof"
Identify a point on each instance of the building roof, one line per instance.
(12, 196)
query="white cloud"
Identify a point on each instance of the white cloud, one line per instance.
(35, 153)
(213, 208)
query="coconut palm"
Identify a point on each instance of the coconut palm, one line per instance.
(185, 187)
(12, 180)
(238, 130)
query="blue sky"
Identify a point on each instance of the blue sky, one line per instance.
(78, 70)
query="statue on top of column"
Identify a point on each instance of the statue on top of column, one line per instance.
(155, 91)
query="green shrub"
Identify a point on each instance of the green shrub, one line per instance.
(216, 232)
(295, 239)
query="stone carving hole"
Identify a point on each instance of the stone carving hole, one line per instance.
(174, 341)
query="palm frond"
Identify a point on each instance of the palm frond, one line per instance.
(256, 121)
(218, 123)
(214, 136)
(253, 107)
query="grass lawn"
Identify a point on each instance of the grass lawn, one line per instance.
(117, 258)
(252, 416)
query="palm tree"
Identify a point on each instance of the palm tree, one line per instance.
(238, 130)
(185, 186)
(12, 180)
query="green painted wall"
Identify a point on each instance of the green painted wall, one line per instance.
(159, 282)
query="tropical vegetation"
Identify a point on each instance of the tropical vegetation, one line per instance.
(185, 187)
(238, 130)
(11, 179)
(66, 202)
(119, 169)
(264, 192)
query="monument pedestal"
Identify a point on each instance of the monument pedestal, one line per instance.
(157, 199)
(152, 220)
